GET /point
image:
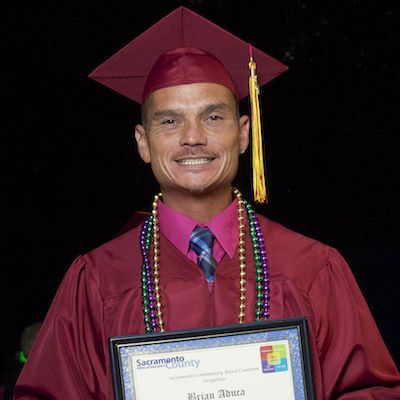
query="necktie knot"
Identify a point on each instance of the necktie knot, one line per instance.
(201, 242)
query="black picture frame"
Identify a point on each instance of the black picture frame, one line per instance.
(122, 347)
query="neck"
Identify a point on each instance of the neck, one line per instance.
(201, 207)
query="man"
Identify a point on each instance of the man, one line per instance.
(149, 279)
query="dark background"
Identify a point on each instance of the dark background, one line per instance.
(72, 177)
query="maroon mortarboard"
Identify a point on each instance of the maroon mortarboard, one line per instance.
(185, 48)
(126, 72)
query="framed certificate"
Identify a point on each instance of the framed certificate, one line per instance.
(255, 361)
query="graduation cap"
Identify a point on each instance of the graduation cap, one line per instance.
(184, 48)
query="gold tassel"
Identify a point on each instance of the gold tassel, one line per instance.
(259, 186)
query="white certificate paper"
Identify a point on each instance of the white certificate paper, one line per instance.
(249, 372)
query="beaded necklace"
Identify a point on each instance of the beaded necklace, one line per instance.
(151, 296)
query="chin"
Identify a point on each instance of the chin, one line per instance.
(194, 188)
(204, 189)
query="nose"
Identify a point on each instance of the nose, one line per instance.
(193, 134)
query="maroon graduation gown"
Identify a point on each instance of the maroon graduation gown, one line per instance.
(100, 297)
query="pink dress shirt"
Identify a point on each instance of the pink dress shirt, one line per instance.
(224, 226)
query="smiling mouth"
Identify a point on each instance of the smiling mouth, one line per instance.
(195, 161)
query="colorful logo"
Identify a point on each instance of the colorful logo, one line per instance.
(273, 358)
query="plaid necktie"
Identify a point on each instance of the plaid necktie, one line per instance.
(201, 241)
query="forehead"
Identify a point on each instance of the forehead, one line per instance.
(194, 95)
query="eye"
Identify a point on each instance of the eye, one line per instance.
(168, 121)
(214, 117)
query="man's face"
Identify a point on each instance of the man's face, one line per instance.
(192, 137)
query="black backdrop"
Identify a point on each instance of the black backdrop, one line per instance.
(72, 177)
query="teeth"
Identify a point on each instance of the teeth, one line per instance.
(195, 161)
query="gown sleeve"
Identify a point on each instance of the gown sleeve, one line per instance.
(355, 362)
(68, 358)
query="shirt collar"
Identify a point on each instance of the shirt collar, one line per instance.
(224, 226)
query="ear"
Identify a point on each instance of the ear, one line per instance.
(244, 129)
(142, 143)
